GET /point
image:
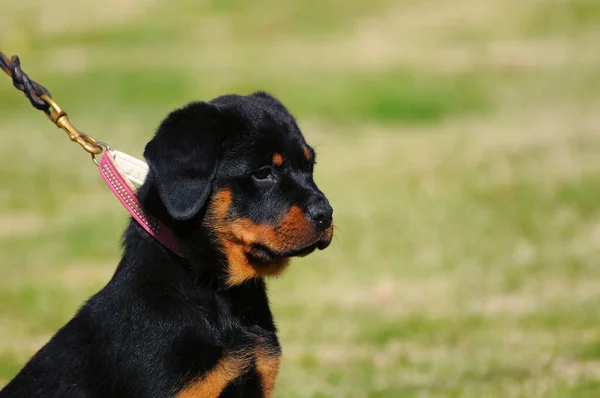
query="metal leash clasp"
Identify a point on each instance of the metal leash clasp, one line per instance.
(60, 119)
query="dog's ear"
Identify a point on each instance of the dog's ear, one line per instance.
(182, 158)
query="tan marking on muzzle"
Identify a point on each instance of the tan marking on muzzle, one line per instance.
(237, 237)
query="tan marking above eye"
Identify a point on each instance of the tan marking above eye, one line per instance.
(306, 153)
(277, 159)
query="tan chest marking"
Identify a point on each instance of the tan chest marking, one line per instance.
(214, 381)
(230, 368)
(267, 367)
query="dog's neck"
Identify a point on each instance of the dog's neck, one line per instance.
(152, 267)
(201, 260)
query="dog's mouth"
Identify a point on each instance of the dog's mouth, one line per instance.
(262, 253)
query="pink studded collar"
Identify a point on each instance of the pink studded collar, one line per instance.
(120, 185)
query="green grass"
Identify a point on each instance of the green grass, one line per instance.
(458, 143)
(572, 16)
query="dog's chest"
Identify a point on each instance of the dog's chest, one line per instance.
(250, 371)
(266, 361)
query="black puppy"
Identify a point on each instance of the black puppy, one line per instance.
(233, 179)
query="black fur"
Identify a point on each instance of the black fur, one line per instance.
(164, 322)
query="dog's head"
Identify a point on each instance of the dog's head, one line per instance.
(241, 164)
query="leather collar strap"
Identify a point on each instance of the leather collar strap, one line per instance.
(119, 183)
(134, 169)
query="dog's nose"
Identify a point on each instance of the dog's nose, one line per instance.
(320, 212)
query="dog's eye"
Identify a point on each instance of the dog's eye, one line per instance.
(264, 173)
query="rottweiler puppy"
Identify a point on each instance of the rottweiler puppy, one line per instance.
(233, 179)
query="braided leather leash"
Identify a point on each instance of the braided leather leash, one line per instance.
(118, 170)
(22, 82)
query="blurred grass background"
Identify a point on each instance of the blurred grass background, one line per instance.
(458, 142)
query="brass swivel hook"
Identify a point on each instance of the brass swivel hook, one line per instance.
(60, 119)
